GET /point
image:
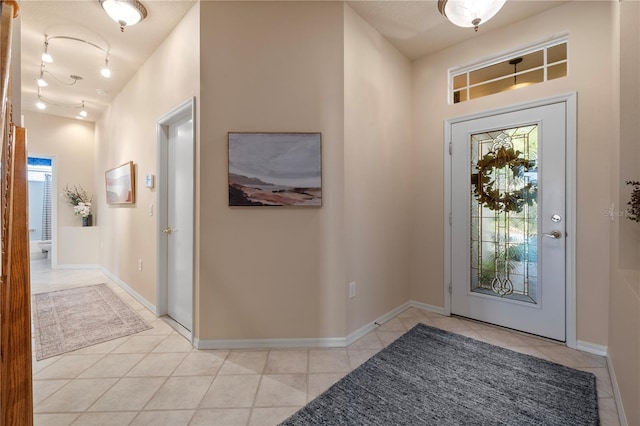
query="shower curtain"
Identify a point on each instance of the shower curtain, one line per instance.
(46, 208)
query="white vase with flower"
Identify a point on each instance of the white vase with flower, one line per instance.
(81, 203)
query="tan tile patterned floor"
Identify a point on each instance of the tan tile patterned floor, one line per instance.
(156, 378)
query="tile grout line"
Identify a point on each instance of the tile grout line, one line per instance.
(213, 379)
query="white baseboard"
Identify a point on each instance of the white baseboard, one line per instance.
(616, 393)
(325, 342)
(367, 328)
(269, 343)
(129, 290)
(78, 266)
(591, 348)
(428, 308)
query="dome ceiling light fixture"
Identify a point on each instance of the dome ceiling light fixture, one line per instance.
(469, 13)
(124, 12)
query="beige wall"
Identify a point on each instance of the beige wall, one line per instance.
(629, 155)
(590, 74)
(72, 144)
(271, 272)
(624, 305)
(378, 185)
(624, 340)
(127, 132)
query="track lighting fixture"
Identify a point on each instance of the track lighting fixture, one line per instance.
(48, 59)
(43, 102)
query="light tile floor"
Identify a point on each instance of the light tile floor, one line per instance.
(156, 378)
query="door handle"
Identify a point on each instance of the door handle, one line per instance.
(168, 230)
(554, 234)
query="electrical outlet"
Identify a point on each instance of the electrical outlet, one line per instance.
(352, 290)
(139, 264)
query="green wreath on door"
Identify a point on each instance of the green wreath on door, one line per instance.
(485, 185)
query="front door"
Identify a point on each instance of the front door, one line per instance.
(508, 223)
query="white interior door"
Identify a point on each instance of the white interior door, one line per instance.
(508, 222)
(180, 221)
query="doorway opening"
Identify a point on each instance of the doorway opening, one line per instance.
(42, 207)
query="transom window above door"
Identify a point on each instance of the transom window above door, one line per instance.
(536, 64)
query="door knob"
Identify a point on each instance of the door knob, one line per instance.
(168, 230)
(555, 235)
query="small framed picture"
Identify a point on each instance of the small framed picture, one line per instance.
(120, 184)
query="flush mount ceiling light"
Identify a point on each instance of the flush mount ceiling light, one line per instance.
(124, 12)
(469, 13)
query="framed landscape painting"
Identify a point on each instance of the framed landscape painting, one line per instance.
(275, 169)
(120, 184)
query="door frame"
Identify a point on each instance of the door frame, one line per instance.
(185, 110)
(53, 255)
(570, 101)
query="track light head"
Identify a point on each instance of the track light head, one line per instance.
(46, 57)
(106, 72)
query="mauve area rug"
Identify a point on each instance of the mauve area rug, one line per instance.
(66, 320)
(433, 377)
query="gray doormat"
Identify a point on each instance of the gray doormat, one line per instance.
(433, 377)
(66, 320)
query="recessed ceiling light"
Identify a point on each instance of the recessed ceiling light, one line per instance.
(102, 92)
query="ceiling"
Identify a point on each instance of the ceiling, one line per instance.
(86, 20)
(416, 28)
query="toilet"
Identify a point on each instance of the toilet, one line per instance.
(45, 245)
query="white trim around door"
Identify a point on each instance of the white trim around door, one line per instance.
(185, 111)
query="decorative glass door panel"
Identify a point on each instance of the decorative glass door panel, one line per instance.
(504, 213)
